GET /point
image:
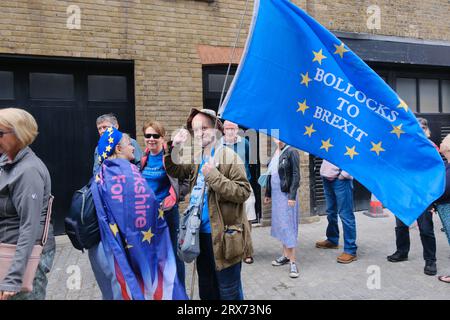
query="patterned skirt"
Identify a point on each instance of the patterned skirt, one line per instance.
(444, 213)
(284, 218)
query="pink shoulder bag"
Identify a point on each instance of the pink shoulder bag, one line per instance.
(8, 251)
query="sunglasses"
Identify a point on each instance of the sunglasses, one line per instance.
(2, 133)
(152, 135)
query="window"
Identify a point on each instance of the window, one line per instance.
(445, 96)
(213, 80)
(49, 86)
(425, 90)
(107, 88)
(429, 95)
(6, 85)
(406, 89)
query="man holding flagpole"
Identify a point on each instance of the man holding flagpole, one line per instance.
(220, 187)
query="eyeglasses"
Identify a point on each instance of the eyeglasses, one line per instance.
(2, 133)
(152, 135)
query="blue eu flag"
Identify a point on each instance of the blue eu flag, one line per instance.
(134, 231)
(297, 77)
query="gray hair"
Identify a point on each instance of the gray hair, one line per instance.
(445, 144)
(109, 117)
(423, 121)
(125, 138)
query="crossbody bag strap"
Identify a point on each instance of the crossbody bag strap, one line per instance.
(47, 220)
(203, 188)
(202, 198)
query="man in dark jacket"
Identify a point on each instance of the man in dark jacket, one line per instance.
(426, 229)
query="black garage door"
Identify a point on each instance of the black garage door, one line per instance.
(66, 97)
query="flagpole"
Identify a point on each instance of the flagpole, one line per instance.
(194, 271)
(233, 51)
(244, 54)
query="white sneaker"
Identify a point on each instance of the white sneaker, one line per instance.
(293, 273)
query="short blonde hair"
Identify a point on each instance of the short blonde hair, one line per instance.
(21, 122)
(445, 144)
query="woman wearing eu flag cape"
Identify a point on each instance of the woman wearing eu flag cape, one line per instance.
(134, 235)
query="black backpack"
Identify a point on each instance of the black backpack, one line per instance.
(81, 223)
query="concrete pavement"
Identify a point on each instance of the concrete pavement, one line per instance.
(321, 277)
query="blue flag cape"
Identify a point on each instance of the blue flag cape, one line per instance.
(135, 232)
(297, 77)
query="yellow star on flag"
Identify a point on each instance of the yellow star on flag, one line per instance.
(403, 105)
(108, 148)
(114, 228)
(104, 155)
(305, 79)
(148, 235)
(111, 140)
(97, 178)
(340, 50)
(309, 130)
(99, 159)
(318, 56)
(351, 152)
(302, 107)
(110, 130)
(398, 130)
(376, 147)
(326, 144)
(161, 214)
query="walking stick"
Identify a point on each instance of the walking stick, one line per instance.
(194, 271)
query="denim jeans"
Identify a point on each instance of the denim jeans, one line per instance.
(40, 280)
(216, 285)
(103, 267)
(426, 229)
(339, 198)
(173, 222)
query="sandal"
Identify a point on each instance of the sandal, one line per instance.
(248, 260)
(445, 279)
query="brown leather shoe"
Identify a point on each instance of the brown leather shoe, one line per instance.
(325, 244)
(346, 258)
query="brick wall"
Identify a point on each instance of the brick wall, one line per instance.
(427, 19)
(162, 37)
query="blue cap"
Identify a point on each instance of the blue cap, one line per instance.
(107, 143)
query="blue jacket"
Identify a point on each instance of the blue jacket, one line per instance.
(242, 148)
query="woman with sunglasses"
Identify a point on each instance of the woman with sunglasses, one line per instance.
(168, 190)
(25, 188)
